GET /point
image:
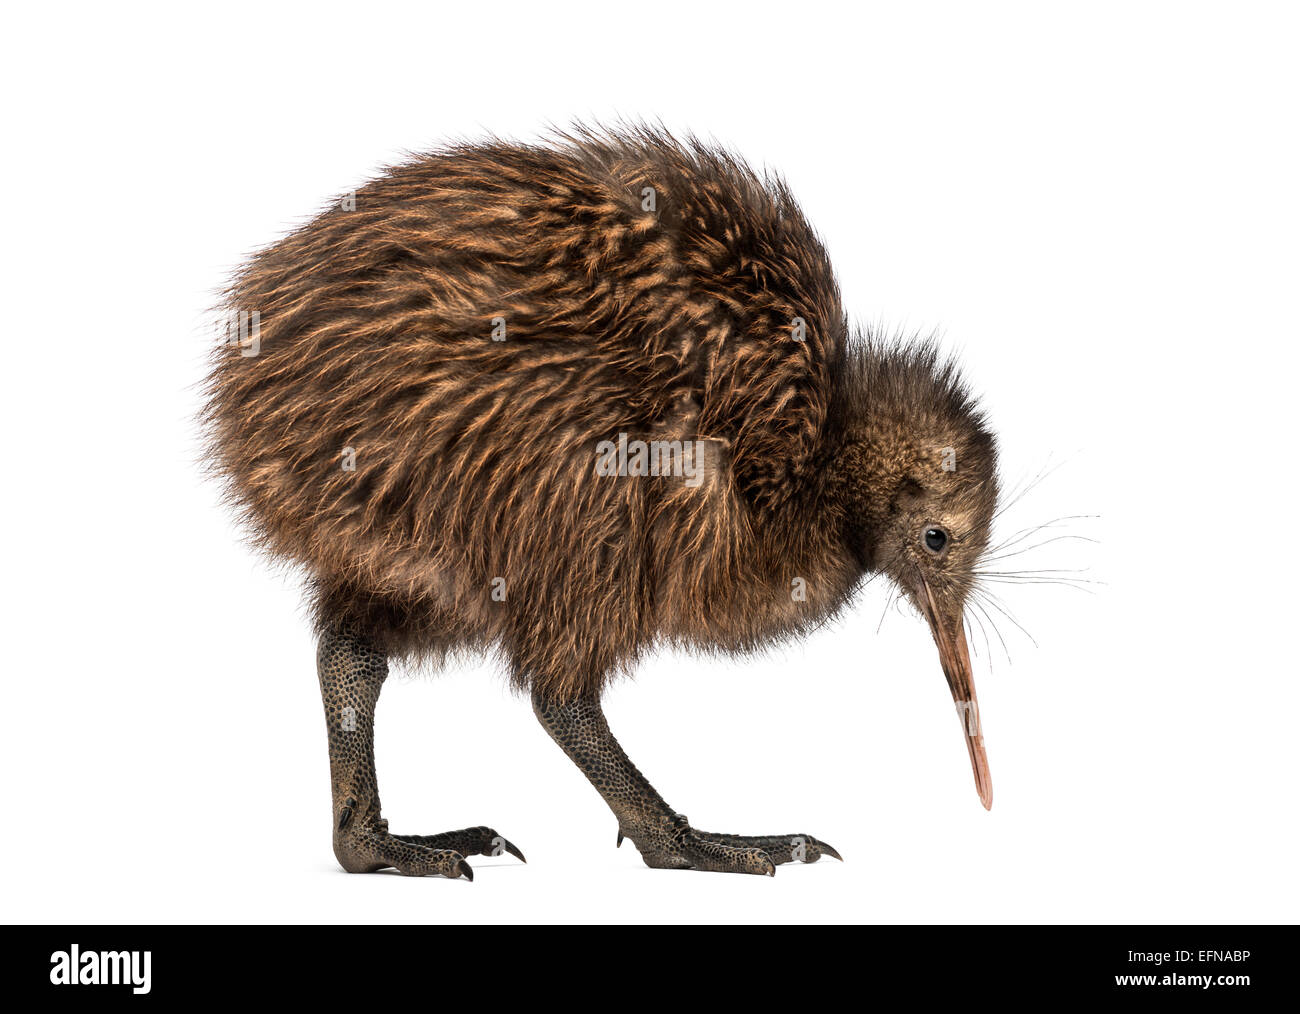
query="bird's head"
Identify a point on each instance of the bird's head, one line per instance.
(918, 468)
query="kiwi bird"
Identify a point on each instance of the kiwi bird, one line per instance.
(567, 402)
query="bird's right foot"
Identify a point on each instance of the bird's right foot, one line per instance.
(671, 843)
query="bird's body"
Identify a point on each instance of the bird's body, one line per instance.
(475, 458)
(446, 365)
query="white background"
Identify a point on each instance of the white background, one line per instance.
(1095, 206)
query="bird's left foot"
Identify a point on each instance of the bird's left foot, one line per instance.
(671, 843)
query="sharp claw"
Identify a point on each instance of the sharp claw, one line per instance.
(462, 869)
(346, 814)
(771, 867)
(619, 843)
(830, 851)
(513, 850)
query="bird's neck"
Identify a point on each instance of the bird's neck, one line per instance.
(864, 473)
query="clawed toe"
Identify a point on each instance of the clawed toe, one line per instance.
(434, 862)
(471, 841)
(790, 848)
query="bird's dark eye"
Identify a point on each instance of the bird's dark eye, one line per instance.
(935, 539)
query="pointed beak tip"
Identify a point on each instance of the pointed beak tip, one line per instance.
(954, 652)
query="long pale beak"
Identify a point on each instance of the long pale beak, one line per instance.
(954, 655)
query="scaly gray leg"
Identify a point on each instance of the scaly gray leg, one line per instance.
(665, 839)
(352, 672)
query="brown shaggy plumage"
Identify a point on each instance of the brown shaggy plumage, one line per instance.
(475, 458)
